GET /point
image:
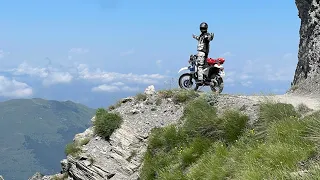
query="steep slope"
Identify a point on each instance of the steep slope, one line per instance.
(307, 74)
(34, 132)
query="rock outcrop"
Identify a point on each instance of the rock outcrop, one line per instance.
(307, 74)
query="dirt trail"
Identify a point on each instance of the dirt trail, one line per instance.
(310, 101)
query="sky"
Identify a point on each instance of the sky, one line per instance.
(97, 51)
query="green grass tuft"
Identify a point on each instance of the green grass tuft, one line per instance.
(106, 123)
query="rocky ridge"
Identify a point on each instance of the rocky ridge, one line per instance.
(307, 75)
(121, 156)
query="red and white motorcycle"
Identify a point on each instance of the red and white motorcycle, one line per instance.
(213, 75)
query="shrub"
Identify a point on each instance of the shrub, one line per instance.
(106, 123)
(166, 93)
(72, 149)
(183, 96)
(141, 97)
(84, 141)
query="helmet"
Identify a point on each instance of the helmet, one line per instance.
(203, 27)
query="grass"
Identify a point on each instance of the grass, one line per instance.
(141, 97)
(72, 149)
(58, 177)
(114, 106)
(213, 147)
(106, 123)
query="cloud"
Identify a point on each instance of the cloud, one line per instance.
(102, 76)
(112, 88)
(105, 88)
(49, 76)
(79, 50)
(131, 51)
(58, 78)
(13, 88)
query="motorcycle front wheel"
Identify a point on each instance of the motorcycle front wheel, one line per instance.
(185, 82)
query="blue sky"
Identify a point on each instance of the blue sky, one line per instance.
(95, 51)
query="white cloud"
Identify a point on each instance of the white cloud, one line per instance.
(102, 76)
(13, 88)
(112, 88)
(105, 88)
(63, 74)
(131, 51)
(78, 50)
(58, 78)
(50, 76)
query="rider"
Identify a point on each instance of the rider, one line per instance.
(203, 48)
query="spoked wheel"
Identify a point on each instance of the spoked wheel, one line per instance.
(218, 88)
(185, 82)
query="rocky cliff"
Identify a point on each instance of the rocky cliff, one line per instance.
(307, 74)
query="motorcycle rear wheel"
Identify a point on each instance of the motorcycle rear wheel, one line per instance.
(219, 87)
(185, 82)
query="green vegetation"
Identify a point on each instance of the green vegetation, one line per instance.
(225, 147)
(106, 123)
(30, 129)
(72, 149)
(141, 97)
(178, 96)
(60, 177)
(114, 106)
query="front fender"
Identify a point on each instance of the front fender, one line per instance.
(182, 69)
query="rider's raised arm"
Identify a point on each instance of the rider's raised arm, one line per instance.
(195, 37)
(209, 36)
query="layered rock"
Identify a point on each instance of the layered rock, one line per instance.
(121, 156)
(307, 74)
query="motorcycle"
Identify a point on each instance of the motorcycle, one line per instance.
(213, 75)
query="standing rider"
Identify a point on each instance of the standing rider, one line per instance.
(203, 49)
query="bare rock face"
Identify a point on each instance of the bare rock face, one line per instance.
(307, 74)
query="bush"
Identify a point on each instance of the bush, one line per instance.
(141, 97)
(183, 96)
(106, 123)
(72, 149)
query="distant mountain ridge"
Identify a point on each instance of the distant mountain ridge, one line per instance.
(34, 132)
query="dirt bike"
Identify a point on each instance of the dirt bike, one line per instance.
(213, 75)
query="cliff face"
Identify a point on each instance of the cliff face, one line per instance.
(307, 74)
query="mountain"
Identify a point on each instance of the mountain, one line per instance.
(34, 133)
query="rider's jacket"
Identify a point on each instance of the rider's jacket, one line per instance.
(204, 42)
